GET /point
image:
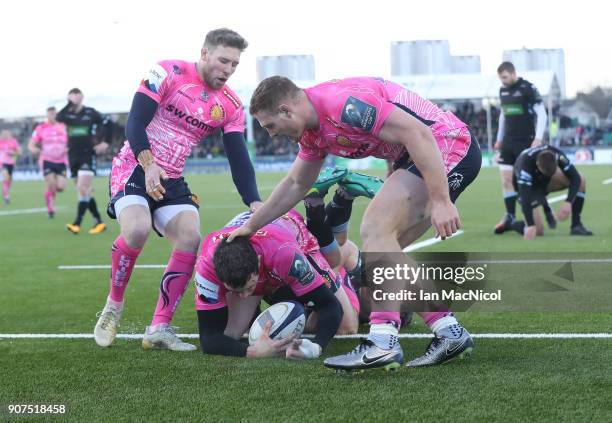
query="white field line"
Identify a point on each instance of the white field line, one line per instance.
(27, 211)
(108, 266)
(428, 242)
(607, 181)
(432, 241)
(356, 336)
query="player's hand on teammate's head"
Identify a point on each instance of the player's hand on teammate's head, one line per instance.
(529, 233)
(536, 143)
(445, 219)
(564, 211)
(244, 230)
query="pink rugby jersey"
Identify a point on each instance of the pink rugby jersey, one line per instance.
(188, 111)
(352, 111)
(8, 149)
(53, 140)
(282, 246)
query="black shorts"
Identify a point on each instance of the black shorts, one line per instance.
(82, 162)
(177, 192)
(9, 168)
(511, 149)
(51, 167)
(459, 177)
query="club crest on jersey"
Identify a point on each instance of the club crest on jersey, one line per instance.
(358, 114)
(301, 270)
(343, 141)
(203, 96)
(176, 69)
(217, 112)
(454, 180)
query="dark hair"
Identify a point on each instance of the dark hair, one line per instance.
(75, 91)
(547, 162)
(51, 108)
(271, 92)
(225, 37)
(506, 66)
(235, 261)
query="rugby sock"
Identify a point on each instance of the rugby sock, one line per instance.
(547, 209)
(93, 208)
(6, 185)
(173, 285)
(438, 320)
(339, 210)
(383, 329)
(315, 222)
(577, 208)
(81, 209)
(49, 201)
(510, 202)
(123, 258)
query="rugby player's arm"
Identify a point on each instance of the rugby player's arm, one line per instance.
(141, 114)
(290, 191)
(241, 166)
(500, 131)
(329, 313)
(212, 323)
(416, 137)
(525, 191)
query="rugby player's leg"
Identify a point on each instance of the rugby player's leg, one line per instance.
(560, 182)
(240, 314)
(181, 225)
(50, 189)
(135, 224)
(510, 197)
(84, 180)
(400, 204)
(6, 184)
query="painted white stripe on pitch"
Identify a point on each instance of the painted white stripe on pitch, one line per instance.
(27, 211)
(557, 199)
(607, 181)
(108, 266)
(356, 336)
(428, 242)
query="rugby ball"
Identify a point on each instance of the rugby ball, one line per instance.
(287, 319)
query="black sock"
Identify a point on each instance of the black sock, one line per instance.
(510, 201)
(93, 208)
(546, 207)
(81, 209)
(316, 224)
(339, 210)
(577, 209)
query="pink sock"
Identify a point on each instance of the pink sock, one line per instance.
(5, 188)
(123, 258)
(49, 200)
(173, 285)
(433, 316)
(381, 317)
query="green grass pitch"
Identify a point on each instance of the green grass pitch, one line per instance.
(506, 380)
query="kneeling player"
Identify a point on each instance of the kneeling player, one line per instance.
(539, 171)
(232, 279)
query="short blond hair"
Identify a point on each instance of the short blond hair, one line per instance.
(271, 92)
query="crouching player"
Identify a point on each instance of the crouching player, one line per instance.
(281, 261)
(539, 171)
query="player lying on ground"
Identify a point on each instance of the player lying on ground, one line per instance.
(435, 159)
(539, 171)
(280, 262)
